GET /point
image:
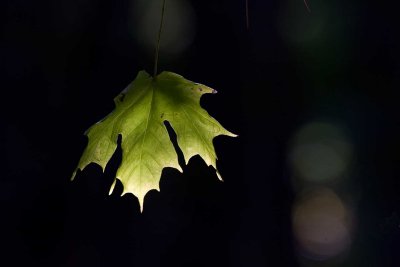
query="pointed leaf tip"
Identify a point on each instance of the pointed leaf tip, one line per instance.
(219, 176)
(73, 175)
(112, 186)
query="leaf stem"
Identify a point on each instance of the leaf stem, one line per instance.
(247, 15)
(158, 40)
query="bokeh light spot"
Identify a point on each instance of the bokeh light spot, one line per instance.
(299, 27)
(320, 152)
(322, 224)
(178, 28)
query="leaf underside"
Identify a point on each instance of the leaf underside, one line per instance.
(139, 116)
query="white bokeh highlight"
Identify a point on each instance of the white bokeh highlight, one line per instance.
(322, 224)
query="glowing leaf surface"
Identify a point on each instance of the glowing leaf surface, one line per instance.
(139, 116)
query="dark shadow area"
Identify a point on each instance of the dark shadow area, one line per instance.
(172, 137)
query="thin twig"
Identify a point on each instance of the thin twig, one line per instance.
(247, 15)
(308, 8)
(158, 40)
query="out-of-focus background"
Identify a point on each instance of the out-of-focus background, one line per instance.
(312, 180)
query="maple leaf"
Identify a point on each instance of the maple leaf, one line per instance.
(139, 116)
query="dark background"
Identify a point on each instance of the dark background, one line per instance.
(62, 63)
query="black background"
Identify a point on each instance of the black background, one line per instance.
(59, 74)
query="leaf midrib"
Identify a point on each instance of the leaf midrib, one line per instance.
(145, 129)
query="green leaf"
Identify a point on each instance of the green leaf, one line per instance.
(139, 116)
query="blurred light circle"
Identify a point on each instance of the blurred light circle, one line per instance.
(321, 224)
(317, 162)
(320, 152)
(178, 28)
(297, 26)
